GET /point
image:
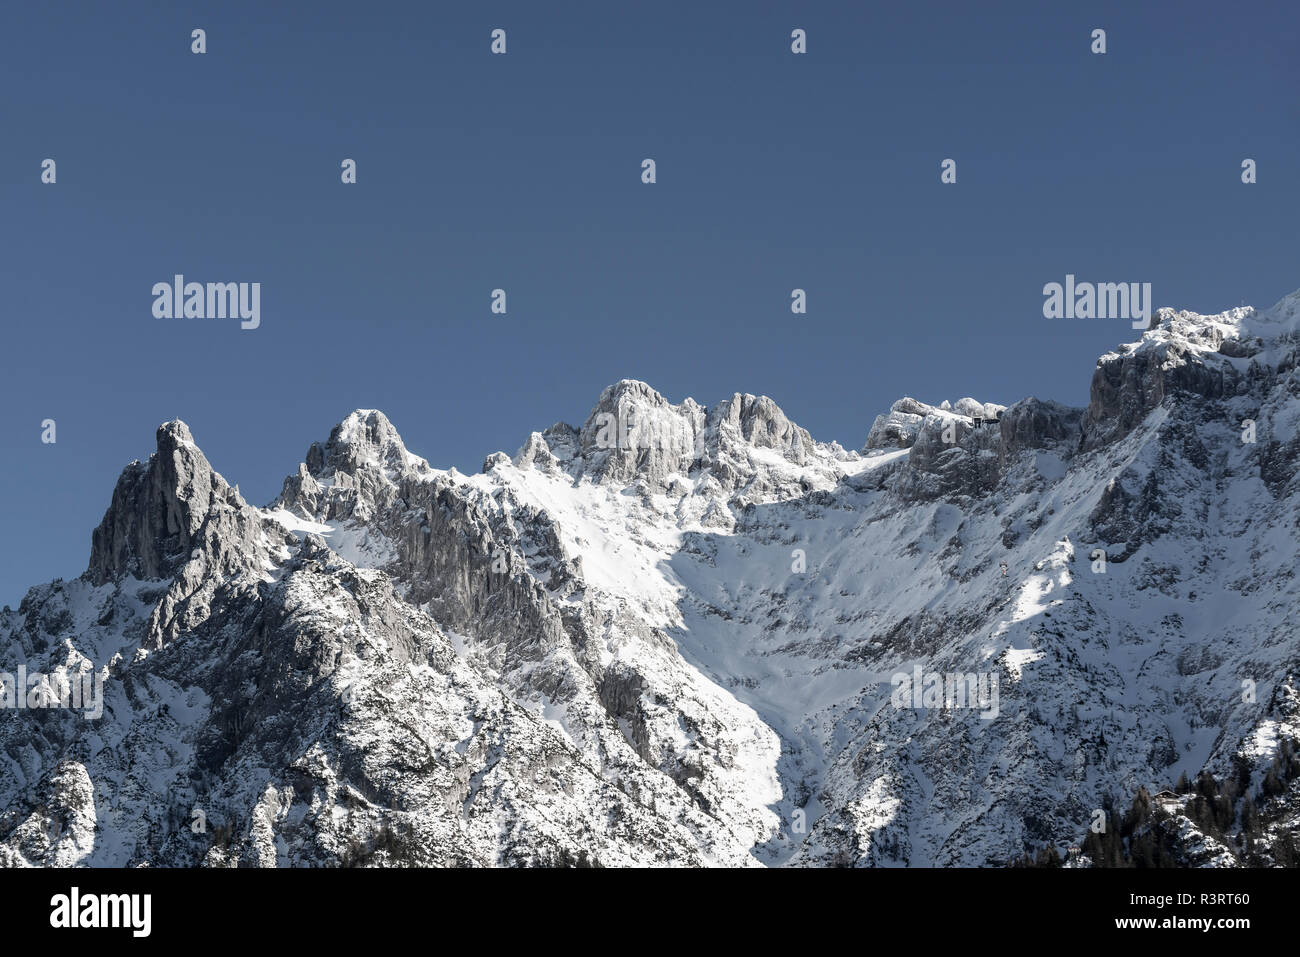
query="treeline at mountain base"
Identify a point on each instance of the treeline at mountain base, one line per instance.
(1203, 822)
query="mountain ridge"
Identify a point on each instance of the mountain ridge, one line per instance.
(668, 635)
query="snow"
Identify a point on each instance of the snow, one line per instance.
(748, 609)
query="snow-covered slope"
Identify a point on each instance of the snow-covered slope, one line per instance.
(674, 635)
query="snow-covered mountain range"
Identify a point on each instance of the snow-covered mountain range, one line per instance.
(673, 636)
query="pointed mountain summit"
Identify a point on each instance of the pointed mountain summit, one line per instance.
(365, 438)
(157, 510)
(363, 461)
(635, 435)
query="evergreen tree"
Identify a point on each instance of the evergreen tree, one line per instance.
(1206, 785)
(1048, 857)
(1249, 819)
(1142, 850)
(1273, 785)
(1138, 813)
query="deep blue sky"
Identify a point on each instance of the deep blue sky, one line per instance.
(523, 171)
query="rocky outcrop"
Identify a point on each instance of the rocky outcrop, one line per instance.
(1183, 354)
(635, 437)
(364, 439)
(1035, 424)
(158, 509)
(901, 425)
(953, 447)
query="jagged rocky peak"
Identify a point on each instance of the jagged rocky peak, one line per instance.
(364, 439)
(633, 411)
(751, 446)
(358, 467)
(965, 447)
(902, 424)
(549, 451)
(1282, 319)
(157, 510)
(759, 421)
(634, 434)
(629, 419)
(1214, 357)
(1183, 331)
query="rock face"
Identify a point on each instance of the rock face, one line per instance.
(635, 436)
(903, 424)
(674, 634)
(1184, 355)
(1034, 424)
(157, 510)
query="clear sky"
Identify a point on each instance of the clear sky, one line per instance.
(775, 171)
